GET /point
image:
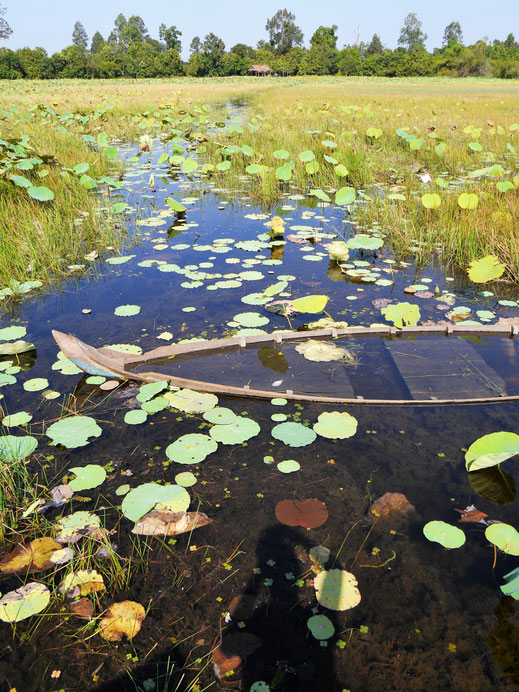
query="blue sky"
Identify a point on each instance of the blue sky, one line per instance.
(49, 23)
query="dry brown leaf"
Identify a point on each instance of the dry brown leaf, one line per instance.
(163, 522)
(390, 504)
(223, 664)
(309, 513)
(122, 619)
(472, 514)
(31, 558)
(82, 582)
(83, 608)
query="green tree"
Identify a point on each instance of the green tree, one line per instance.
(411, 34)
(35, 63)
(195, 45)
(172, 64)
(453, 34)
(118, 30)
(5, 29)
(350, 61)
(325, 36)
(170, 36)
(97, 42)
(243, 50)
(141, 60)
(134, 32)
(375, 46)
(9, 64)
(283, 32)
(80, 36)
(213, 49)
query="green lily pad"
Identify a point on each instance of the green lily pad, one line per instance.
(250, 319)
(122, 490)
(20, 418)
(13, 448)
(336, 425)
(278, 401)
(321, 627)
(72, 528)
(191, 449)
(95, 380)
(486, 269)
(240, 430)
(336, 589)
(490, 450)
(504, 536)
(445, 534)
(87, 477)
(190, 401)
(127, 310)
(26, 601)
(362, 241)
(288, 466)
(320, 351)
(220, 415)
(402, 313)
(36, 385)
(143, 499)
(310, 304)
(148, 391)
(74, 431)
(186, 479)
(66, 366)
(12, 333)
(135, 417)
(294, 434)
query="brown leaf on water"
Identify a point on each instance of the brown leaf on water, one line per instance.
(222, 663)
(390, 504)
(30, 558)
(122, 619)
(163, 522)
(84, 608)
(309, 513)
(471, 514)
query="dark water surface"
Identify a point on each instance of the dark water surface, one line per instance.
(429, 618)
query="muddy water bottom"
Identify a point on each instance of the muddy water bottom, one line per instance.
(429, 618)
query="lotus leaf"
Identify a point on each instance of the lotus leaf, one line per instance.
(66, 366)
(16, 347)
(468, 200)
(74, 431)
(87, 477)
(504, 536)
(339, 250)
(42, 194)
(143, 499)
(30, 558)
(362, 241)
(122, 619)
(320, 351)
(250, 319)
(219, 414)
(491, 450)
(13, 448)
(346, 195)
(288, 466)
(321, 627)
(494, 485)
(12, 333)
(75, 526)
(148, 391)
(402, 313)
(319, 554)
(294, 434)
(191, 449)
(336, 425)
(21, 418)
(486, 269)
(127, 310)
(431, 200)
(85, 581)
(191, 402)
(26, 601)
(36, 385)
(240, 430)
(445, 534)
(310, 304)
(511, 588)
(136, 417)
(185, 479)
(336, 589)
(310, 513)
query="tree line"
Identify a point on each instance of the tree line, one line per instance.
(130, 51)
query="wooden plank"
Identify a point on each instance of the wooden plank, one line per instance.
(444, 368)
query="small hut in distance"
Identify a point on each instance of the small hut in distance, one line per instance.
(260, 70)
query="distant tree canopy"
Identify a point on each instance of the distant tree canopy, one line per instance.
(130, 51)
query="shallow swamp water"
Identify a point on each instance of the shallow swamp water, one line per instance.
(429, 618)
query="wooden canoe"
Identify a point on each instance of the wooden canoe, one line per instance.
(113, 364)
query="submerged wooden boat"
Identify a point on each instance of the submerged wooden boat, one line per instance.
(423, 365)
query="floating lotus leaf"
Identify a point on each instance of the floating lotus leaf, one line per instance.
(173, 498)
(122, 620)
(20, 418)
(13, 448)
(362, 241)
(320, 351)
(123, 490)
(504, 536)
(74, 431)
(191, 402)
(402, 313)
(26, 601)
(486, 269)
(186, 479)
(310, 304)
(278, 401)
(445, 534)
(30, 558)
(319, 554)
(149, 390)
(294, 434)
(87, 477)
(36, 384)
(321, 627)
(336, 589)
(135, 417)
(72, 528)
(12, 333)
(237, 432)
(250, 319)
(220, 415)
(191, 449)
(66, 366)
(159, 403)
(288, 466)
(127, 310)
(346, 195)
(82, 582)
(145, 497)
(336, 425)
(339, 250)
(490, 450)
(309, 513)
